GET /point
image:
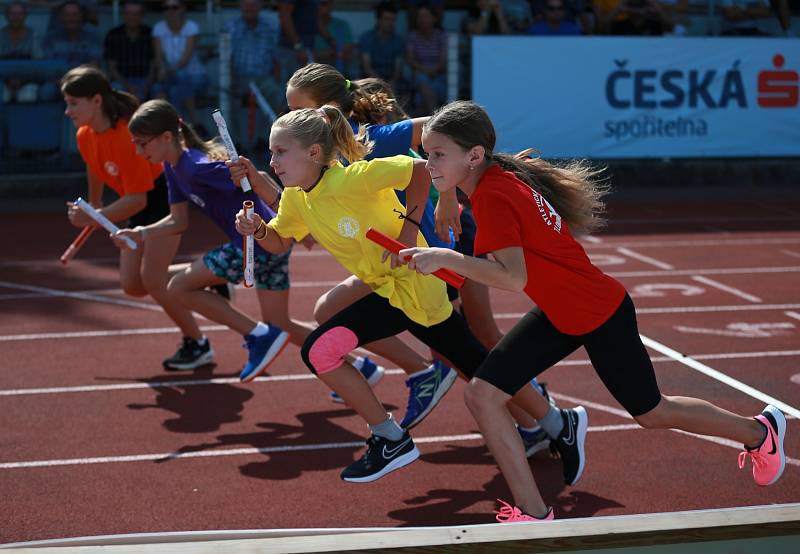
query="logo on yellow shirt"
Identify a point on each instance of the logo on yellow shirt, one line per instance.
(348, 227)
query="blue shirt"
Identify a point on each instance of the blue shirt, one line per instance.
(566, 28)
(383, 52)
(208, 185)
(394, 139)
(253, 50)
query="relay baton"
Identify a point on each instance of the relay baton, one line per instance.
(394, 246)
(249, 256)
(103, 221)
(222, 127)
(73, 248)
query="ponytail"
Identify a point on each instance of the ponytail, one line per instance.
(328, 127)
(86, 81)
(155, 117)
(575, 189)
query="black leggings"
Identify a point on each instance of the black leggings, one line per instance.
(615, 350)
(373, 318)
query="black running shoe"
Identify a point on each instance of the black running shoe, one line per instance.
(382, 456)
(569, 445)
(190, 355)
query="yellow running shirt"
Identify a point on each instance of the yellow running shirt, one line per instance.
(337, 213)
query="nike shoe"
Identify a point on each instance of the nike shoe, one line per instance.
(371, 371)
(533, 440)
(768, 458)
(511, 514)
(191, 354)
(425, 391)
(570, 443)
(382, 456)
(262, 350)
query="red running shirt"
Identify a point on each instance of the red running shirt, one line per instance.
(111, 157)
(574, 294)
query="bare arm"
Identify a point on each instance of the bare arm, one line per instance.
(416, 199)
(416, 135)
(173, 224)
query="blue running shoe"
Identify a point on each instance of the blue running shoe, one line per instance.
(371, 371)
(261, 351)
(425, 391)
(533, 440)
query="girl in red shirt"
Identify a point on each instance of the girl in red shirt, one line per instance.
(526, 211)
(101, 116)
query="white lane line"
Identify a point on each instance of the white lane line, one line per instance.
(164, 456)
(305, 376)
(726, 288)
(719, 271)
(698, 242)
(626, 415)
(793, 315)
(791, 253)
(719, 376)
(592, 239)
(646, 259)
(81, 296)
(686, 309)
(110, 333)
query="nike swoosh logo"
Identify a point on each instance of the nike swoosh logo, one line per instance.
(388, 453)
(569, 440)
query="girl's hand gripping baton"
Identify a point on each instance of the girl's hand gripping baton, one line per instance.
(394, 246)
(249, 254)
(102, 220)
(73, 248)
(222, 127)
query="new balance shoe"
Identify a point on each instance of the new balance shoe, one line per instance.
(382, 456)
(768, 458)
(425, 391)
(570, 443)
(542, 388)
(191, 354)
(533, 440)
(371, 371)
(262, 350)
(511, 514)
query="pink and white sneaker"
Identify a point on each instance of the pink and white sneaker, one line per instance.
(511, 514)
(768, 458)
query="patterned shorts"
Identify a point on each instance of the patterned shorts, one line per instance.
(227, 262)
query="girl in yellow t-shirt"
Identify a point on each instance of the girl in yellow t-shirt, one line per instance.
(101, 116)
(337, 205)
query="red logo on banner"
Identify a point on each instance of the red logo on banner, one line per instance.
(777, 88)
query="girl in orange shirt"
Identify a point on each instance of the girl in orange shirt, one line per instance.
(101, 116)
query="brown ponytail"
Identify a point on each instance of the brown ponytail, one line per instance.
(575, 189)
(155, 117)
(85, 81)
(328, 127)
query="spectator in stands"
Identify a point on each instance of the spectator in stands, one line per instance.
(334, 43)
(17, 43)
(554, 22)
(73, 42)
(427, 55)
(518, 14)
(575, 11)
(382, 50)
(640, 18)
(54, 21)
(435, 6)
(181, 76)
(677, 16)
(741, 17)
(485, 17)
(299, 26)
(254, 57)
(129, 52)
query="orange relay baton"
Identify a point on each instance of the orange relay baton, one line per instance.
(76, 244)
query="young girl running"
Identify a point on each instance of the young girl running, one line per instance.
(526, 212)
(337, 205)
(101, 117)
(196, 172)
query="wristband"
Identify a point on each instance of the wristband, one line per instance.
(260, 225)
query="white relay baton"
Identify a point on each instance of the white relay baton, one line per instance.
(102, 220)
(249, 254)
(222, 127)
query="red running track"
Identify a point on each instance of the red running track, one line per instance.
(97, 439)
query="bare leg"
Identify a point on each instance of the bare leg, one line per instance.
(348, 383)
(346, 293)
(701, 417)
(488, 405)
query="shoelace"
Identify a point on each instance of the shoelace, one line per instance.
(757, 459)
(507, 512)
